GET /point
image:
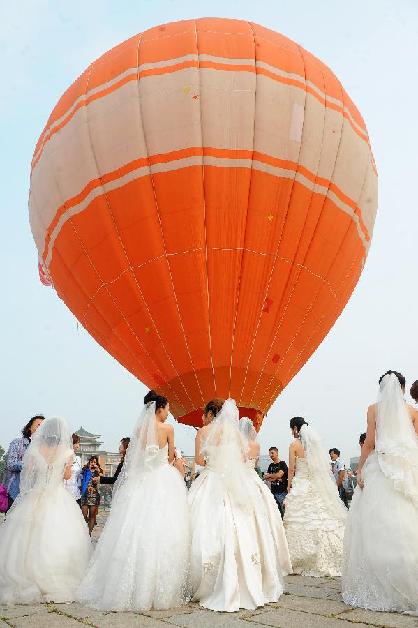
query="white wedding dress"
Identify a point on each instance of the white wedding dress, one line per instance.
(238, 555)
(315, 516)
(269, 518)
(142, 557)
(44, 541)
(381, 541)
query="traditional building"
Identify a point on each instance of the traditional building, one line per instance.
(90, 445)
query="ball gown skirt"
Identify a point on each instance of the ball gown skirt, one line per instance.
(381, 546)
(44, 548)
(142, 557)
(314, 534)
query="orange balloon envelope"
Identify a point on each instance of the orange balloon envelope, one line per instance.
(202, 199)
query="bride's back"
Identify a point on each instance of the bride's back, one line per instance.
(298, 448)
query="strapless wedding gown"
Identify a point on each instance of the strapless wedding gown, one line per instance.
(268, 517)
(44, 544)
(239, 553)
(314, 535)
(381, 546)
(142, 557)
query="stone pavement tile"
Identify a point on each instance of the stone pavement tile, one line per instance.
(20, 610)
(78, 611)
(210, 619)
(50, 620)
(334, 583)
(324, 593)
(388, 620)
(128, 620)
(317, 606)
(173, 611)
(286, 618)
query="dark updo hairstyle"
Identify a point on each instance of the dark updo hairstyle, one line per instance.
(26, 430)
(401, 378)
(125, 442)
(160, 401)
(214, 406)
(297, 422)
(362, 438)
(414, 391)
(76, 438)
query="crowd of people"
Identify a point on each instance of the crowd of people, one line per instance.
(229, 540)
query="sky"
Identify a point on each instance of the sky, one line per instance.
(49, 364)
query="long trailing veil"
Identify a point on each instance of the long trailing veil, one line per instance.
(225, 451)
(49, 451)
(247, 429)
(320, 472)
(142, 448)
(396, 443)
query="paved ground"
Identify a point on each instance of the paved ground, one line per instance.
(307, 603)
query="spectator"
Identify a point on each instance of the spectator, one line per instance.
(74, 483)
(277, 473)
(338, 470)
(90, 496)
(414, 391)
(123, 448)
(17, 449)
(361, 440)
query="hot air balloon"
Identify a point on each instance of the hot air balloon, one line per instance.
(203, 198)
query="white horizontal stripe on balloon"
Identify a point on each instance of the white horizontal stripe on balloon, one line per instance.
(196, 161)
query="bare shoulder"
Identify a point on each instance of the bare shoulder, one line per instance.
(165, 428)
(254, 449)
(202, 430)
(295, 445)
(372, 412)
(413, 412)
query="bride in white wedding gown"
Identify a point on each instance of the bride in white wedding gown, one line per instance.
(235, 551)
(381, 541)
(266, 511)
(315, 516)
(142, 557)
(44, 541)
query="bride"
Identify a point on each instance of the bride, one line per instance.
(141, 559)
(381, 540)
(234, 561)
(315, 515)
(266, 511)
(44, 541)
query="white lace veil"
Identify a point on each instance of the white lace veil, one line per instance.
(142, 448)
(225, 451)
(320, 472)
(50, 449)
(396, 442)
(247, 429)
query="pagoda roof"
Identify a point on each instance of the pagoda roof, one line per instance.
(85, 433)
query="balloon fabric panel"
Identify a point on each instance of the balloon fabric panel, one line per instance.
(203, 200)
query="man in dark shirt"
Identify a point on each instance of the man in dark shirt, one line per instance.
(277, 473)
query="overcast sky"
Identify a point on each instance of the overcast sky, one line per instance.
(51, 365)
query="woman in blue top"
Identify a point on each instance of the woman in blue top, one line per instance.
(90, 496)
(14, 457)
